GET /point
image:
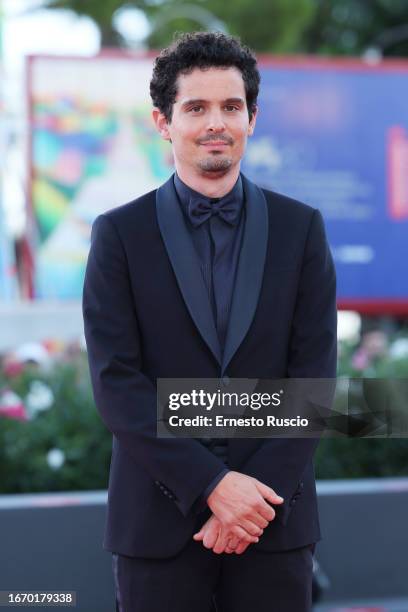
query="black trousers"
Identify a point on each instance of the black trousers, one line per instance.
(199, 580)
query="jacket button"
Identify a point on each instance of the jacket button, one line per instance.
(301, 485)
(292, 502)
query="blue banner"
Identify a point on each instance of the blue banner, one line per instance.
(335, 135)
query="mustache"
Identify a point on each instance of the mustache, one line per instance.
(214, 138)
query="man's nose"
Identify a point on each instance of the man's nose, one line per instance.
(215, 122)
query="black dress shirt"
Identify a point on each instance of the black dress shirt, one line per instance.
(218, 246)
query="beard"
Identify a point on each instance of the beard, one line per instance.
(215, 164)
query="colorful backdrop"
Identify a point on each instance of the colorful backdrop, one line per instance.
(333, 134)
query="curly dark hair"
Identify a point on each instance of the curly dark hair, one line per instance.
(201, 50)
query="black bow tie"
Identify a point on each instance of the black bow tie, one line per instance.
(200, 209)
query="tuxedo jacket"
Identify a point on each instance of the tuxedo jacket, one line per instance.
(147, 315)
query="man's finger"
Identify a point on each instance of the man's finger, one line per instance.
(198, 536)
(242, 546)
(260, 520)
(251, 527)
(221, 542)
(243, 535)
(233, 542)
(268, 493)
(210, 536)
(267, 511)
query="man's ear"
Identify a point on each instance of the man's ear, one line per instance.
(161, 124)
(252, 122)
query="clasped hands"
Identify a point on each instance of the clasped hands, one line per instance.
(240, 513)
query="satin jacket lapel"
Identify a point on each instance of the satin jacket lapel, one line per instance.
(185, 263)
(250, 269)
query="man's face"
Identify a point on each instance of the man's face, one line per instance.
(210, 123)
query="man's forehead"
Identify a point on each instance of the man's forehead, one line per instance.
(209, 83)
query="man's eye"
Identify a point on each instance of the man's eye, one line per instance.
(196, 109)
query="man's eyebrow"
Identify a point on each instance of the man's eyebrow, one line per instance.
(197, 101)
(193, 101)
(234, 101)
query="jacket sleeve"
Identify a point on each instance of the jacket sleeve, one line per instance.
(125, 397)
(280, 462)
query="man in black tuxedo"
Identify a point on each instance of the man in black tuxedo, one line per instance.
(208, 276)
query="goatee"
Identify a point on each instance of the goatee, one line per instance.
(214, 164)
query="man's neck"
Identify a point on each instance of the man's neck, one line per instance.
(211, 187)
